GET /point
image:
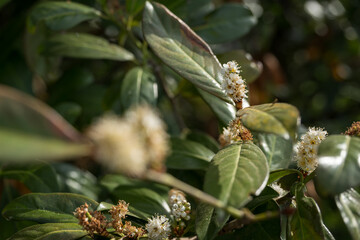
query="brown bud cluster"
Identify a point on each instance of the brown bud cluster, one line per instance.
(92, 222)
(235, 132)
(354, 129)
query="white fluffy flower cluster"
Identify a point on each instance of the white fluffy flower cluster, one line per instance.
(233, 84)
(132, 144)
(180, 207)
(158, 228)
(307, 149)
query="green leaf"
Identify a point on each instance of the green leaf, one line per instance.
(250, 69)
(277, 118)
(76, 180)
(60, 15)
(143, 202)
(181, 49)
(38, 178)
(28, 126)
(3, 3)
(138, 87)
(133, 7)
(306, 223)
(348, 203)
(81, 45)
(278, 174)
(204, 139)
(228, 22)
(265, 196)
(224, 111)
(49, 231)
(47, 207)
(236, 172)
(339, 164)
(187, 154)
(277, 150)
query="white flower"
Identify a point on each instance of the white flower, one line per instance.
(276, 186)
(158, 228)
(180, 207)
(306, 156)
(232, 83)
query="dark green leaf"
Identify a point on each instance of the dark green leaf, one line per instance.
(181, 49)
(339, 164)
(187, 154)
(47, 207)
(277, 150)
(50, 231)
(236, 172)
(277, 118)
(76, 180)
(224, 111)
(81, 45)
(250, 69)
(3, 3)
(348, 203)
(138, 87)
(133, 7)
(28, 126)
(38, 178)
(276, 175)
(61, 15)
(207, 224)
(143, 202)
(306, 223)
(204, 139)
(265, 196)
(227, 23)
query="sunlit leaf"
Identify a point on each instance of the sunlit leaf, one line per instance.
(339, 164)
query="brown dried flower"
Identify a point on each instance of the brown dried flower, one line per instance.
(92, 222)
(354, 129)
(235, 132)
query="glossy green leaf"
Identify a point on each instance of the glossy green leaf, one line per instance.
(50, 231)
(60, 15)
(278, 174)
(265, 196)
(143, 202)
(250, 69)
(138, 87)
(82, 45)
(236, 172)
(339, 164)
(277, 150)
(38, 178)
(203, 139)
(277, 118)
(47, 207)
(348, 203)
(224, 111)
(187, 154)
(28, 126)
(181, 49)
(228, 22)
(76, 180)
(306, 223)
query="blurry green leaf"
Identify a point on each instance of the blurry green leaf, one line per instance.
(348, 203)
(133, 7)
(181, 49)
(223, 110)
(81, 45)
(227, 23)
(236, 172)
(27, 127)
(250, 69)
(70, 111)
(278, 174)
(49, 231)
(76, 180)
(60, 15)
(38, 178)
(47, 207)
(277, 118)
(138, 87)
(187, 154)
(3, 3)
(327, 233)
(306, 223)
(204, 139)
(277, 150)
(339, 164)
(143, 202)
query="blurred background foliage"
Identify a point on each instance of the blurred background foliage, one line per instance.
(309, 52)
